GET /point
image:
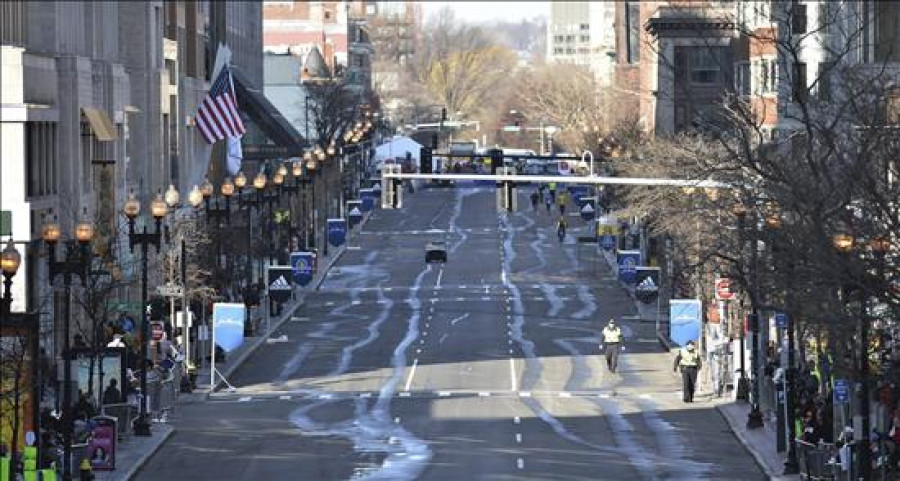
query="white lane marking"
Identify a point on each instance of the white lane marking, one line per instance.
(356, 303)
(353, 248)
(503, 276)
(422, 341)
(418, 351)
(412, 372)
(525, 394)
(484, 394)
(397, 420)
(460, 299)
(519, 438)
(444, 393)
(440, 275)
(244, 399)
(441, 340)
(424, 333)
(510, 351)
(365, 395)
(458, 319)
(517, 420)
(603, 396)
(284, 398)
(405, 394)
(565, 394)
(485, 298)
(520, 463)
(510, 341)
(512, 375)
(388, 289)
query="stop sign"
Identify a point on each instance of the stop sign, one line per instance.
(723, 289)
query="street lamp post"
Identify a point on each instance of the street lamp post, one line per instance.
(740, 211)
(311, 224)
(292, 189)
(10, 259)
(145, 239)
(77, 262)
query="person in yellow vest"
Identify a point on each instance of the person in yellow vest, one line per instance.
(612, 343)
(688, 361)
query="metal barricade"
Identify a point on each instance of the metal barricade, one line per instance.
(124, 414)
(817, 462)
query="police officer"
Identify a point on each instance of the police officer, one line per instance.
(688, 360)
(612, 339)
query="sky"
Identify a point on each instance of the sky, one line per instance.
(489, 11)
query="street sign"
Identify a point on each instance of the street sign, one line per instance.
(781, 320)
(723, 289)
(841, 391)
(157, 330)
(170, 290)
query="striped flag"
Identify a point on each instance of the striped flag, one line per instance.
(217, 118)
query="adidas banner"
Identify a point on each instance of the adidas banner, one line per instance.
(646, 288)
(280, 283)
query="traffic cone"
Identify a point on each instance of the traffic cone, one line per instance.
(85, 471)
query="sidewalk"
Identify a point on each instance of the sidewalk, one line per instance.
(760, 442)
(134, 452)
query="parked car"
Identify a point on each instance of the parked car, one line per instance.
(436, 251)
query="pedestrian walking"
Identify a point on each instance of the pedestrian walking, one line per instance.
(548, 202)
(688, 361)
(561, 228)
(612, 344)
(534, 200)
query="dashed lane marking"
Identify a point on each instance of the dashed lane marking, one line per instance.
(284, 398)
(405, 394)
(520, 463)
(484, 394)
(444, 393)
(519, 438)
(565, 394)
(245, 399)
(517, 420)
(412, 372)
(397, 420)
(524, 393)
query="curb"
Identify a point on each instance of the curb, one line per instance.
(136, 467)
(757, 457)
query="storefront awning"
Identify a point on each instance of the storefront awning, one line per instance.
(252, 101)
(102, 127)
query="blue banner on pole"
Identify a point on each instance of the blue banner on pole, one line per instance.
(628, 261)
(684, 320)
(337, 231)
(302, 267)
(228, 325)
(280, 283)
(368, 199)
(587, 212)
(354, 212)
(608, 242)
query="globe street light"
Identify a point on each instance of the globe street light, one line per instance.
(76, 262)
(144, 239)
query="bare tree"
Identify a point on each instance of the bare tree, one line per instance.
(461, 66)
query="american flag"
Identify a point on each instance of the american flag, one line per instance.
(217, 118)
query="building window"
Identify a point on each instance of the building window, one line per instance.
(887, 32)
(633, 27)
(557, 51)
(559, 38)
(742, 78)
(704, 66)
(799, 88)
(570, 38)
(824, 76)
(40, 158)
(798, 17)
(767, 75)
(585, 26)
(570, 51)
(585, 38)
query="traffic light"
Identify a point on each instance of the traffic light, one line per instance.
(425, 161)
(496, 160)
